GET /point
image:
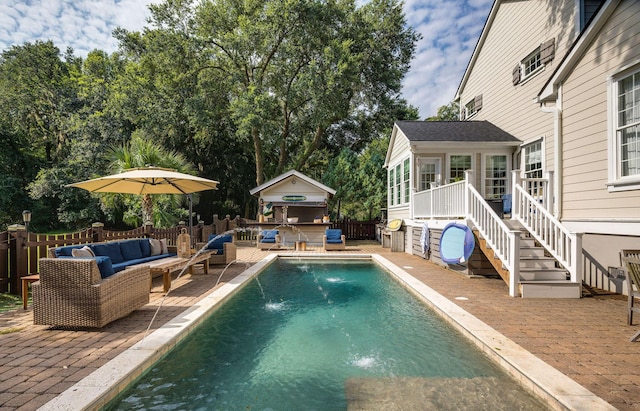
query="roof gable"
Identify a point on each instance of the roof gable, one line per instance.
(290, 174)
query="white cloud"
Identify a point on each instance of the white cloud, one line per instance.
(449, 28)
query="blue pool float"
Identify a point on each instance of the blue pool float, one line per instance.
(456, 243)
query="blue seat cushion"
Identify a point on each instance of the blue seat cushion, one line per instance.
(218, 242)
(334, 236)
(131, 250)
(111, 250)
(269, 236)
(124, 264)
(145, 246)
(105, 266)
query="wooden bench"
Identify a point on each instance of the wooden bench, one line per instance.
(168, 265)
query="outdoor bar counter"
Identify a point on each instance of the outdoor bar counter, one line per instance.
(302, 231)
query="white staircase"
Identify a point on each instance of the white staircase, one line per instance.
(539, 275)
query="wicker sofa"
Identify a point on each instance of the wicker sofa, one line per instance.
(72, 293)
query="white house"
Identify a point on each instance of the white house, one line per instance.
(560, 82)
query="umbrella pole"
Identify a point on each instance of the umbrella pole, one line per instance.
(190, 218)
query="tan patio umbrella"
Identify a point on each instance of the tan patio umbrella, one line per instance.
(149, 180)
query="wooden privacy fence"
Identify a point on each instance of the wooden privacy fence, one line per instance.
(20, 250)
(357, 230)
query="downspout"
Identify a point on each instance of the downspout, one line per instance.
(557, 150)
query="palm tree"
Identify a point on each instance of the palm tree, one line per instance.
(143, 152)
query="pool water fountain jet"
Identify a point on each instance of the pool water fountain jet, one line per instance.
(203, 248)
(200, 251)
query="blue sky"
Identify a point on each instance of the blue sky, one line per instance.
(450, 30)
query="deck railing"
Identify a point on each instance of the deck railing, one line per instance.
(440, 202)
(532, 205)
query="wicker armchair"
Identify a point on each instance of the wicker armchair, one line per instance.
(71, 293)
(333, 239)
(269, 240)
(225, 247)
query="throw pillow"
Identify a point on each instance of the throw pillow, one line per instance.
(156, 247)
(82, 252)
(165, 249)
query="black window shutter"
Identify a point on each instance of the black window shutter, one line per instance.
(547, 51)
(516, 74)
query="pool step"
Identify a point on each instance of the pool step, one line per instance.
(415, 393)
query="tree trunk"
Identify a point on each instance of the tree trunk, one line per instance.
(147, 209)
(257, 144)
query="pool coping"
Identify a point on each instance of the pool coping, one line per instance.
(556, 389)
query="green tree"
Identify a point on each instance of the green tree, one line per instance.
(449, 112)
(142, 151)
(297, 79)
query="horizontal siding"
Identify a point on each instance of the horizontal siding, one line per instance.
(400, 149)
(585, 140)
(519, 27)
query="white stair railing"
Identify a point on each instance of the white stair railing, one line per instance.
(564, 246)
(504, 242)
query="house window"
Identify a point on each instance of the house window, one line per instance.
(472, 107)
(495, 176)
(533, 168)
(624, 140)
(407, 174)
(534, 62)
(531, 64)
(533, 160)
(429, 173)
(397, 187)
(458, 165)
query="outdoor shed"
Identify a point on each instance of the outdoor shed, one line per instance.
(295, 204)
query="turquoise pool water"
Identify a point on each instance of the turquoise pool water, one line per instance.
(308, 335)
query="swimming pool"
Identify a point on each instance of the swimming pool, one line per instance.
(325, 335)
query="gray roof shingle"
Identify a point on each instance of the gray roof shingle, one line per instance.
(462, 131)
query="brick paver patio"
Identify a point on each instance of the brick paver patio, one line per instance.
(586, 339)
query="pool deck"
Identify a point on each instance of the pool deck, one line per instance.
(586, 340)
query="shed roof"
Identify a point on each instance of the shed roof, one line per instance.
(288, 174)
(455, 131)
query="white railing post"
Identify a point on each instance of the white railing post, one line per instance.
(549, 194)
(514, 262)
(515, 194)
(412, 210)
(468, 175)
(576, 258)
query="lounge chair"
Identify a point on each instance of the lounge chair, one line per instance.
(269, 240)
(631, 261)
(333, 239)
(225, 248)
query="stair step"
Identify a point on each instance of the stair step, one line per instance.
(537, 262)
(537, 274)
(531, 252)
(550, 289)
